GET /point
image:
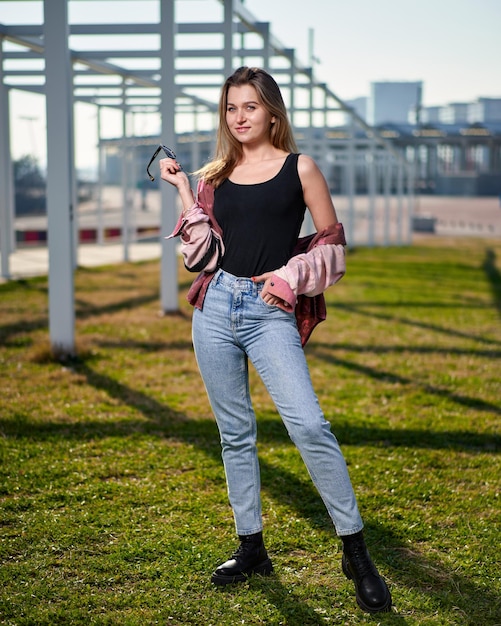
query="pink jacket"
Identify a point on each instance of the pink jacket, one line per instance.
(318, 261)
(202, 244)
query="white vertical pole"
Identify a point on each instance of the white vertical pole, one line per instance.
(195, 144)
(292, 89)
(308, 224)
(125, 183)
(400, 195)
(6, 179)
(132, 189)
(74, 181)
(411, 178)
(168, 278)
(266, 47)
(372, 194)
(228, 37)
(100, 174)
(60, 173)
(350, 180)
(387, 191)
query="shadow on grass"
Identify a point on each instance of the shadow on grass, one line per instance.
(407, 568)
(87, 309)
(409, 349)
(325, 353)
(292, 607)
(360, 309)
(84, 310)
(493, 276)
(164, 421)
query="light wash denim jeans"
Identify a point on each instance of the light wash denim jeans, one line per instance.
(236, 325)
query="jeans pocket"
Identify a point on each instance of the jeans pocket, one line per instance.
(274, 307)
(270, 307)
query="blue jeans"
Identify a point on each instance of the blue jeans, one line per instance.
(236, 325)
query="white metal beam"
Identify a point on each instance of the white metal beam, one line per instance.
(6, 179)
(228, 31)
(60, 172)
(168, 278)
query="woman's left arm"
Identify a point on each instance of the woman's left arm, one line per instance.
(316, 193)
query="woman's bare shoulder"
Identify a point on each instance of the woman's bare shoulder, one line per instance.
(306, 166)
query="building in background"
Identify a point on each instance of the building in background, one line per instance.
(359, 105)
(456, 146)
(454, 113)
(484, 110)
(394, 102)
(430, 115)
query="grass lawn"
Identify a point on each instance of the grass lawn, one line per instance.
(113, 506)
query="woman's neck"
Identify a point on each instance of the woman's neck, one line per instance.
(259, 154)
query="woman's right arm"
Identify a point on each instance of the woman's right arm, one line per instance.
(201, 246)
(171, 172)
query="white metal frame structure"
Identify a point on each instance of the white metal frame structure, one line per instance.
(168, 79)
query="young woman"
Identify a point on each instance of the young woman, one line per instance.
(250, 299)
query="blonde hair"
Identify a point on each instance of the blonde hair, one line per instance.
(228, 148)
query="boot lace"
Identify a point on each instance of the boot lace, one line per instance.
(244, 549)
(360, 561)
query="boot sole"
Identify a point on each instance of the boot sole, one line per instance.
(262, 569)
(386, 608)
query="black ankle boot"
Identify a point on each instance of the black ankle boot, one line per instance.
(250, 558)
(372, 593)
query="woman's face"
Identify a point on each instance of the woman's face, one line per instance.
(247, 118)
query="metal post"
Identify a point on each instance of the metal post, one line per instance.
(387, 197)
(242, 48)
(132, 177)
(6, 179)
(168, 278)
(292, 89)
(228, 29)
(74, 181)
(371, 157)
(350, 181)
(100, 176)
(266, 46)
(411, 178)
(325, 139)
(400, 201)
(125, 180)
(60, 173)
(195, 144)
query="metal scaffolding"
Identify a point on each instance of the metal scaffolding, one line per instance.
(176, 75)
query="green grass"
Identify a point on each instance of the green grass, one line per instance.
(113, 499)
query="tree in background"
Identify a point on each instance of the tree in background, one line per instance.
(29, 184)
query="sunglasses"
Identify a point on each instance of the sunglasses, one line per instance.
(168, 152)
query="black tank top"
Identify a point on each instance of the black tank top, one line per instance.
(260, 222)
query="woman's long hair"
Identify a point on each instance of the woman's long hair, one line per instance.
(228, 148)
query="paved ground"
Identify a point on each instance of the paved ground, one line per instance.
(34, 260)
(453, 216)
(456, 216)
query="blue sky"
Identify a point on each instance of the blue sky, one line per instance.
(453, 46)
